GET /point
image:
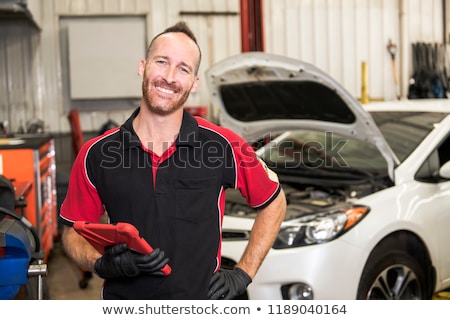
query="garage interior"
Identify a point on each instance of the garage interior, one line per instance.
(44, 102)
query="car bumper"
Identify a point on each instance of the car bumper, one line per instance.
(330, 269)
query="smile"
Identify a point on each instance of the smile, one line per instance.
(164, 90)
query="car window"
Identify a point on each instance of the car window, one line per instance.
(404, 131)
(429, 171)
(444, 151)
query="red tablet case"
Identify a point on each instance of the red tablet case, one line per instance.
(101, 235)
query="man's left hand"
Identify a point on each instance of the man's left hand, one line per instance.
(228, 284)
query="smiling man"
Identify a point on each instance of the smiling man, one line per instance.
(166, 172)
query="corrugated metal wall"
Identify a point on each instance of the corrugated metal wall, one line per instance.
(18, 43)
(339, 35)
(336, 35)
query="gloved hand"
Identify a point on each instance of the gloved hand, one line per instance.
(227, 284)
(151, 263)
(120, 261)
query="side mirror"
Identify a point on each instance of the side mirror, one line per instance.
(444, 171)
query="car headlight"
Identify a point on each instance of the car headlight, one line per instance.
(319, 228)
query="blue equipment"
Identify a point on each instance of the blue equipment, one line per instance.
(20, 254)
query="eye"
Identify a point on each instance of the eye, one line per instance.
(184, 70)
(161, 62)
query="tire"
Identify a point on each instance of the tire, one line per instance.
(392, 274)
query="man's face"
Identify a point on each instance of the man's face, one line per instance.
(169, 73)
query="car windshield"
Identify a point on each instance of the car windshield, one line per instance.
(305, 149)
(333, 155)
(404, 131)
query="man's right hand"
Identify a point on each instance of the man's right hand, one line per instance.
(120, 261)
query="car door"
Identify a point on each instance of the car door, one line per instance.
(435, 200)
(443, 205)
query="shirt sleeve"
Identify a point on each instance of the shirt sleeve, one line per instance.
(82, 201)
(258, 184)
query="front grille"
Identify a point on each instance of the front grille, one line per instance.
(234, 235)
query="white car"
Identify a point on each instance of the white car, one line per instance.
(368, 186)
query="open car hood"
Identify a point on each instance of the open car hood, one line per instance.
(257, 94)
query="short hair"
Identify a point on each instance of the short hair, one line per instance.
(181, 27)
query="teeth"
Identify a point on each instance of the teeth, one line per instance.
(165, 90)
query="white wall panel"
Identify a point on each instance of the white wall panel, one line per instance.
(101, 66)
(338, 35)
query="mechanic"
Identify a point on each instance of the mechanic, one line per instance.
(166, 172)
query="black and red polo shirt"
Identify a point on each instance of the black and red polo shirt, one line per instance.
(175, 200)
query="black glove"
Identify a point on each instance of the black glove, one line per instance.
(120, 261)
(151, 263)
(117, 261)
(227, 284)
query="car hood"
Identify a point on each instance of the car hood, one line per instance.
(257, 94)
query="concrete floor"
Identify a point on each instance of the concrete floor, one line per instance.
(63, 279)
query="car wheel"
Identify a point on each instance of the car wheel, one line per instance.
(392, 275)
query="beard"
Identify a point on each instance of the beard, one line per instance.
(159, 106)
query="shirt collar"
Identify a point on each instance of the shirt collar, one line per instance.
(188, 131)
(187, 136)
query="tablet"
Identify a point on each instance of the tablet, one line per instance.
(101, 235)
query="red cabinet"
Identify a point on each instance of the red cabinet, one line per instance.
(32, 160)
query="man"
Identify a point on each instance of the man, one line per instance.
(166, 172)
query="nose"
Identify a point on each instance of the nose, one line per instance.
(169, 74)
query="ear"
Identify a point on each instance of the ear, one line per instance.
(195, 84)
(141, 67)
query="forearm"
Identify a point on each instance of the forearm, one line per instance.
(263, 234)
(79, 249)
